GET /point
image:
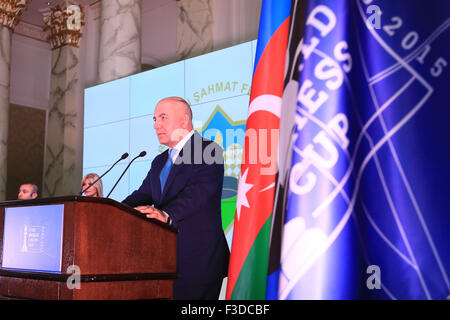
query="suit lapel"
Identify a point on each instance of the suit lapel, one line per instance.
(176, 168)
(171, 177)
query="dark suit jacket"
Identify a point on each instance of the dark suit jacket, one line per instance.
(192, 199)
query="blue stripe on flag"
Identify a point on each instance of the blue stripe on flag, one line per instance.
(273, 14)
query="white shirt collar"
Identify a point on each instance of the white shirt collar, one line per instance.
(180, 145)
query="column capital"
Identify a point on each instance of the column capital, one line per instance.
(10, 12)
(64, 24)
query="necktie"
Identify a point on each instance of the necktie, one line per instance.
(166, 169)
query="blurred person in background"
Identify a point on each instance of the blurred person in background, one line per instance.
(28, 191)
(95, 190)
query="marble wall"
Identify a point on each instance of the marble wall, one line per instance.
(64, 126)
(207, 25)
(120, 39)
(235, 22)
(5, 66)
(194, 28)
(159, 33)
(31, 62)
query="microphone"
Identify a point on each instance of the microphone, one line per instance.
(124, 156)
(142, 154)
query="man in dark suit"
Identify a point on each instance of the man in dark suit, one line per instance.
(184, 187)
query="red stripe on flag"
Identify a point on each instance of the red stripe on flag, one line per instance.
(268, 79)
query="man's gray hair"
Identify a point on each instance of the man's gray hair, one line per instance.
(181, 100)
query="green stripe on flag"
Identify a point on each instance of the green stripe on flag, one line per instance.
(252, 280)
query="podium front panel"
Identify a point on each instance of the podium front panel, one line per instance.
(115, 251)
(32, 238)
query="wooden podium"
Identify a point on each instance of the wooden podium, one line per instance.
(119, 252)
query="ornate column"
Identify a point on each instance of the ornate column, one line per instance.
(194, 28)
(120, 39)
(10, 12)
(64, 124)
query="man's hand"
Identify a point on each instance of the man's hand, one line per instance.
(153, 213)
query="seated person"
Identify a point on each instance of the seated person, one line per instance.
(94, 191)
(27, 191)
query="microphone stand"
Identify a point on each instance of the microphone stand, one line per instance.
(124, 156)
(142, 154)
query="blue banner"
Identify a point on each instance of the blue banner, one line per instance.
(367, 214)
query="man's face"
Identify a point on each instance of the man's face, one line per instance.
(170, 122)
(26, 192)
